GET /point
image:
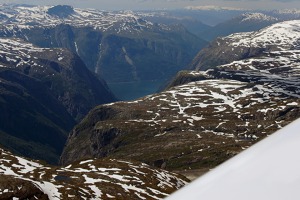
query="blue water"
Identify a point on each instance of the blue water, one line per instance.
(134, 90)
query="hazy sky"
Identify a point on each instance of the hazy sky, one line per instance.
(164, 4)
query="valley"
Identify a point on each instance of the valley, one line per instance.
(117, 46)
(127, 104)
(134, 90)
(44, 92)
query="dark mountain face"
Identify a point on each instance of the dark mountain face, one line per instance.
(61, 11)
(61, 71)
(121, 58)
(33, 123)
(43, 93)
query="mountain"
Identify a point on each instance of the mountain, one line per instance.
(196, 125)
(88, 179)
(220, 21)
(43, 93)
(119, 46)
(251, 21)
(279, 36)
(190, 22)
(202, 123)
(60, 70)
(212, 15)
(278, 68)
(286, 14)
(33, 123)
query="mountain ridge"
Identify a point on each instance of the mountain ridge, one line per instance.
(279, 36)
(43, 93)
(246, 22)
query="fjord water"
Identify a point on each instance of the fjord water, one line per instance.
(132, 90)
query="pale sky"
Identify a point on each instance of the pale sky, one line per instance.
(164, 4)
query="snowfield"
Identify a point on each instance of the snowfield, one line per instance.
(284, 35)
(19, 17)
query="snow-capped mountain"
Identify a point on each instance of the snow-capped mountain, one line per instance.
(281, 63)
(280, 36)
(277, 37)
(257, 17)
(280, 69)
(27, 17)
(88, 179)
(212, 7)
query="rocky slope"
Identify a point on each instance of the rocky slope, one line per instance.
(202, 123)
(197, 125)
(120, 46)
(282, 66)
(33, 122)
(280, 36)
(43, 92)
(59, 69)
(89, 179)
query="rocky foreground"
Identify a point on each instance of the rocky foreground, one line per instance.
(89, 179)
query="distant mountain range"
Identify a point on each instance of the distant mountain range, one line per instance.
(243, 23)
(198, 20)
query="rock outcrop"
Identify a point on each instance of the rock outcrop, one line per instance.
(87, 179)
